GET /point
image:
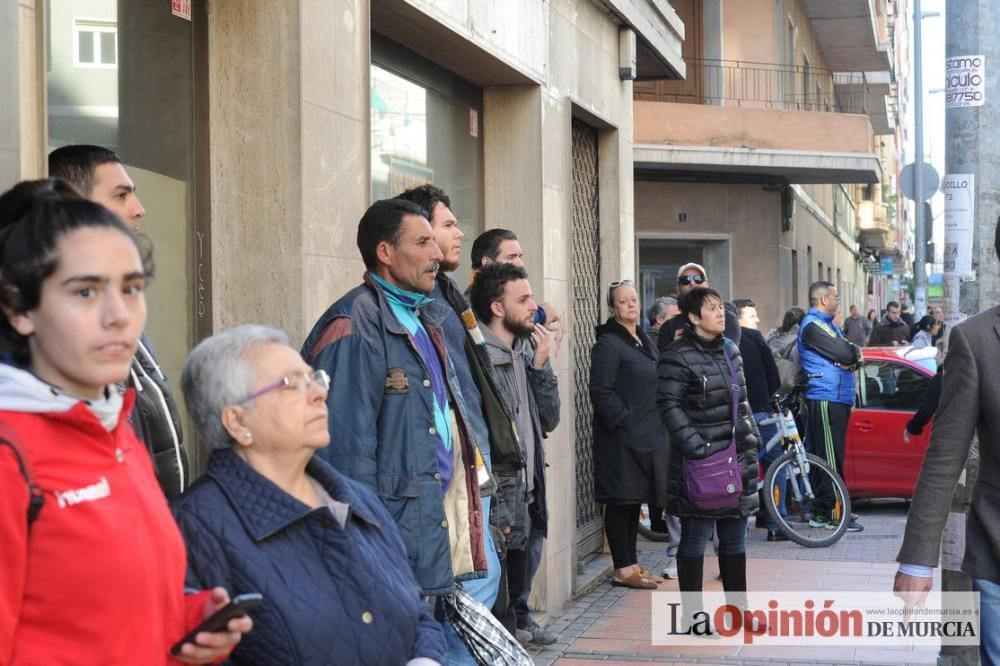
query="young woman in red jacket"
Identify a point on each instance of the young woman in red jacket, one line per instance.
(97, 576)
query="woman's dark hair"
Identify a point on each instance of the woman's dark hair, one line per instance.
(694, 300)
(926, 322)
(34, 215)
(793, 317)
(872, 314)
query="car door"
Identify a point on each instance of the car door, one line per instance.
(877, 461)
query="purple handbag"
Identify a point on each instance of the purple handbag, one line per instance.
(716, 481)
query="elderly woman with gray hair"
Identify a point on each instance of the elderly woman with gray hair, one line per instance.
(270, 517)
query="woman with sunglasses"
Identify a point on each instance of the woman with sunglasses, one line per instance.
(91, 562)
(691, 276)
(270, 517)
(628, 431)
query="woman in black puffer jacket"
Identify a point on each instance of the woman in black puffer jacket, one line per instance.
(695, 400)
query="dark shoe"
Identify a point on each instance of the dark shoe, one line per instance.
(540, 636)
(635, 580)
(522, 635)
(855, 526)
(776, 536)
(760, 521)
(807, 516)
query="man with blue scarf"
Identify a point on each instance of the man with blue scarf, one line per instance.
(398, 421)
(828, 360)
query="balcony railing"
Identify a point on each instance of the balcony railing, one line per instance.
(761, 85)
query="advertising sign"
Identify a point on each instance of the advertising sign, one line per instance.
(965, 81)
(959, 211)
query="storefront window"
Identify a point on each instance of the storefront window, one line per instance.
(426, 127)
(119, 75)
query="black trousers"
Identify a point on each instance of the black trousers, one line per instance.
(825, 438)
(621, 525)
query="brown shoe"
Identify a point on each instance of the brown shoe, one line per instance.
(649, 575)
(635, 580)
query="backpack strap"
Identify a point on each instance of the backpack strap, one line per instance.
(35, 494)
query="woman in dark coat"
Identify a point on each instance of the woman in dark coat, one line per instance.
(695, 400)
(628, 431)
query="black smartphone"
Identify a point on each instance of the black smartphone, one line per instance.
(237, 607)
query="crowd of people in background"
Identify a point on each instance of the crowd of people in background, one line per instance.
(384, 485)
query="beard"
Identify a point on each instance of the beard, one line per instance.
(448, 266)
(517, 326)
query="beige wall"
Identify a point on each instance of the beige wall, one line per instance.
(749, 219)
(22, 93)
(701, 125)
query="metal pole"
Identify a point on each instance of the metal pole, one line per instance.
(971, 146)
(920, 230)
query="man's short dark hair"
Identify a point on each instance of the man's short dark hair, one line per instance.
(383, 221)
(78, 164)
(742, 304)
(426, 196)
(489, 286)
(488, 245)
(891, 304)
(814, 291)
(694, 301)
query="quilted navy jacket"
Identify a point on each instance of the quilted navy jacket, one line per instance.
(331, 595)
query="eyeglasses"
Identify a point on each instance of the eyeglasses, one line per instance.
(694, 278)
(614, 284)
(300, 381)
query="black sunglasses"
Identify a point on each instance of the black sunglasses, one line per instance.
(694, 278)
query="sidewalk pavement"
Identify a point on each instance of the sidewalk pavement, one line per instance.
(612, 625)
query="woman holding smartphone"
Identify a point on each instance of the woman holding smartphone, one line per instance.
(92, 564)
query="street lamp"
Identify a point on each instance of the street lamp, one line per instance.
(920, 231)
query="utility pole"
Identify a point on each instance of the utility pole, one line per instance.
(972, 121)
(920, 230)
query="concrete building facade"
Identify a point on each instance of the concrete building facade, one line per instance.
(258, 133)
(749, 165)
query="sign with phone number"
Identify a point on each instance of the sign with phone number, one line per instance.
(965, 81)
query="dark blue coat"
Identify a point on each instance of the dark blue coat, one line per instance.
(331, 596)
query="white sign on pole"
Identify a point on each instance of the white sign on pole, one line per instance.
(964, 81)
(959, 211)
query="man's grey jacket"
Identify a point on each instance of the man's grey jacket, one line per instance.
(970, 404)
(544, 405)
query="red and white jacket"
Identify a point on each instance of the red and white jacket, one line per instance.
(100, 577)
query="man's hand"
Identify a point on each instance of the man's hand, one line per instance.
(212, 646)
(912, 590)
(555, 325)
(542, 339)
(906, 436)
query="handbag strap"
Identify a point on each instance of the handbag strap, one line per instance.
(734, 388)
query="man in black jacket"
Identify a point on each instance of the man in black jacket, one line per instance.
(763, 381)
(689, 276)
(99, 175)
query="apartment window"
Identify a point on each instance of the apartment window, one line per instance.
(95, 44)
(819, 273)
(809, 263)
(806, 85)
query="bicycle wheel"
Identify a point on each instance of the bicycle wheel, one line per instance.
(784, 472)
(645, 530)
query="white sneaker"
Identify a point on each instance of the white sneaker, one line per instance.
(670, 571)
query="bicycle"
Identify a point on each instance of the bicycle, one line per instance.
(800, 471)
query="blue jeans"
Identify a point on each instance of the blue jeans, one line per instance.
(768, 457)
(989, 620)
(697, 532)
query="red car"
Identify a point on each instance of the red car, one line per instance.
(890, 387)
